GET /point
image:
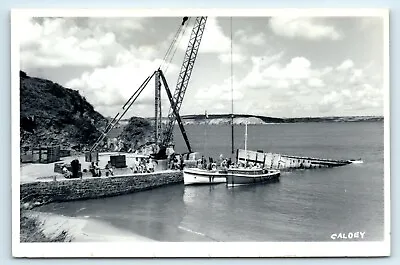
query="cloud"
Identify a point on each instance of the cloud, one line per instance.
(57, 42)
(213, 39)
(345, 65)
(272, 88)
(315, 82)
(221, 92)
(111, 86)
(244, 37)
(236, 58)
(110, 58)
(303, 27)
(267, 73)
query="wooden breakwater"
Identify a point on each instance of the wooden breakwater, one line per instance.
(43, 192)
(281, 161)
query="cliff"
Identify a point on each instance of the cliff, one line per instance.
(52, 114)
(217, 119)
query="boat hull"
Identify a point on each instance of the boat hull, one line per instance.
(195, 176)
(238, 178)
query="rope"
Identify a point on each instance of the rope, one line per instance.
(174, 46)
(171, 45)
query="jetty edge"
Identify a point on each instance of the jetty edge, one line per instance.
(38, 193)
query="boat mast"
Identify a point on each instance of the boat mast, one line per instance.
(232, 140)
(245, 143)
(205, 132)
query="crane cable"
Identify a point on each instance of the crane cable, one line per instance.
(171, 45)
(232, 117)
(174, 44)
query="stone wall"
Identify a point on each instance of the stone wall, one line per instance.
(39, 193)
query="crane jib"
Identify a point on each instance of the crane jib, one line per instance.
(180, 89)
(185, 73)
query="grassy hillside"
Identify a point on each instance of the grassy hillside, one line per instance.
(52, 114)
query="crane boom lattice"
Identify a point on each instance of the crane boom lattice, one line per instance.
(184, 75)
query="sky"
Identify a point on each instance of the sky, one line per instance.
(280, 66)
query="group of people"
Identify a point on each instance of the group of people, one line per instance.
(176, 162)
(143, 165)
(211, 164)
(225, 163)
(74, 172)
(96, 171)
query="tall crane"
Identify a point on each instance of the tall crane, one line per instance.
(175, 100)
(183, 81)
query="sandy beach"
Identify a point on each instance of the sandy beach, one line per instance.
(83, 229)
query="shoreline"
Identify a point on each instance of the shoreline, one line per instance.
(80, 229)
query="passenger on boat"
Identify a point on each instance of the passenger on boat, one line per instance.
(209, 165)
(229, 162)
(224, 164)
(203, 162)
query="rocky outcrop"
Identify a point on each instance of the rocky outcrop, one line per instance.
(52, 114)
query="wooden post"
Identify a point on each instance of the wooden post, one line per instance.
(265, 158)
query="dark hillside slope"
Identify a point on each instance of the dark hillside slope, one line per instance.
(52, 114)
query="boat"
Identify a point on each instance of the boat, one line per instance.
(246, 176)
(198, 176)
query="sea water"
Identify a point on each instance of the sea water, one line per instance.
(305, 205)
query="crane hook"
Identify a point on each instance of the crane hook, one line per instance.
(184, 20)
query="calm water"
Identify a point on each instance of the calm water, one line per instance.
(305, 205)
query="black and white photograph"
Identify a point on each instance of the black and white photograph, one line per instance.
(200, 133)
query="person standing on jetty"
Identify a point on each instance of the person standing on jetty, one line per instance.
(75, 168)
(182, 162)
(135, 167)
